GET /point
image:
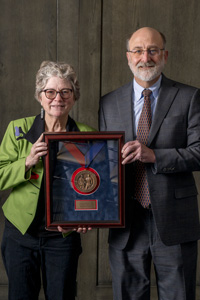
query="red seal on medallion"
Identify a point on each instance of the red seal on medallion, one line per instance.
(85, 181)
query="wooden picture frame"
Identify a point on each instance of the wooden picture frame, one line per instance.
(84, 180)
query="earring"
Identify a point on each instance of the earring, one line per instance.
(42, 113)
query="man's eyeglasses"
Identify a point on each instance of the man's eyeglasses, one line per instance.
(64, 93)
(151, 51)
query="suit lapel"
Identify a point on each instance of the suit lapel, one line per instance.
(165, 99)
(125, 108)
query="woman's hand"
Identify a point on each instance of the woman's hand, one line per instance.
(38, 149)
(79, 230)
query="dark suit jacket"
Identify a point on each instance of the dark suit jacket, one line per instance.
(175, 139)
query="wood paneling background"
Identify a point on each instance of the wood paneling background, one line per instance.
(90, 35)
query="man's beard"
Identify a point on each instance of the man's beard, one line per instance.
(151, 73)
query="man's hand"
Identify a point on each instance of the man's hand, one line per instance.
(134, 150)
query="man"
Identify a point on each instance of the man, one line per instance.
(162, 222)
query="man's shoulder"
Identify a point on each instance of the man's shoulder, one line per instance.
(180, 85)
(121, 90)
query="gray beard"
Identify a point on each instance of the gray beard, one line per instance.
(150, 74)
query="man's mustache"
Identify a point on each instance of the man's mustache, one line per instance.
(150, 64)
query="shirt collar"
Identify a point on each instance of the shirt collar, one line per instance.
(138, 89)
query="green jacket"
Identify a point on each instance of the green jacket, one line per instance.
(21, 205)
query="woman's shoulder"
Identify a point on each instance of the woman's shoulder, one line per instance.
(24, 121)
(85, 127)
(20, 125)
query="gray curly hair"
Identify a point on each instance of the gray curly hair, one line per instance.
(50, 69)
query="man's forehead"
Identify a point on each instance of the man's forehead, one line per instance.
(146, 37)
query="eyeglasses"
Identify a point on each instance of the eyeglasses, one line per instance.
(64, 93)
(151, 52)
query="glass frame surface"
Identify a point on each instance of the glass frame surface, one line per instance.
(84, 180)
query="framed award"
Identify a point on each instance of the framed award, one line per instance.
(84, 180)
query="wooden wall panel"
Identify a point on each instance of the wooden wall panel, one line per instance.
(79, 43)
(68, 32)
(79, 37)
(89, 60)
(27, 37)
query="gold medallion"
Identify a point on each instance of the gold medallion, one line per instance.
(85, 181)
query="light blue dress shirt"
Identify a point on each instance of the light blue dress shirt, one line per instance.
(138, 101)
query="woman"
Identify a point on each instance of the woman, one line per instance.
(27, 248)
